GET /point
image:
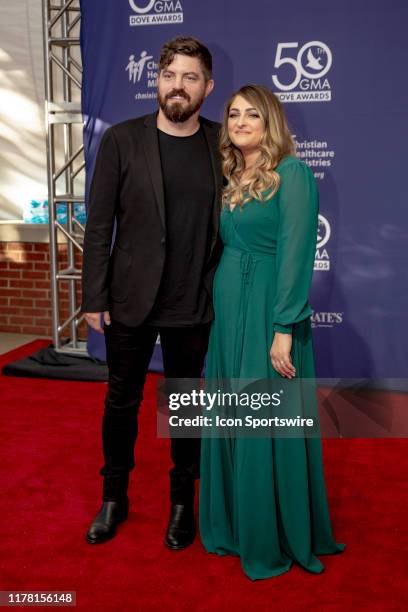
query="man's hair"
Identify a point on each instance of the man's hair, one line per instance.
(186, 45)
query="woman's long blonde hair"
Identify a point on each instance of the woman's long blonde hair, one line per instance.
(276, 142)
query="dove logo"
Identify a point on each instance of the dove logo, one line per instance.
(155, 12)
(303, 78)
(322, 259)
(312, 61)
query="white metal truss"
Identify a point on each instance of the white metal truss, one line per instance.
(65, 160)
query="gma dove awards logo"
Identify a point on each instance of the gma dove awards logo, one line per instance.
(322, 259)
(155, 12)
(302, 78)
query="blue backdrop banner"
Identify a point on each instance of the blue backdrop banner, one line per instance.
(339, 69)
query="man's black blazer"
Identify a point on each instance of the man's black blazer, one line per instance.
(127, 184)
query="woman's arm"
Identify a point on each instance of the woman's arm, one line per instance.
(298, 203)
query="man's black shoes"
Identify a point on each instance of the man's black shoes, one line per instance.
(181, 528)
(106, 521)
(180, 531)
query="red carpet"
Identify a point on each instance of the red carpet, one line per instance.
(50, 456)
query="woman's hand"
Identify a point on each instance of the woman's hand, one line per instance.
(280, 355)
(94, 320)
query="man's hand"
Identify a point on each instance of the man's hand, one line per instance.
(94, 320)
(280, 355)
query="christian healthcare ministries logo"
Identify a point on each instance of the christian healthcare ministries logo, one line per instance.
(155, 12)
(143, 72)
(307, 72)
(322, 259)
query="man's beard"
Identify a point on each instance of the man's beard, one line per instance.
(175, 111)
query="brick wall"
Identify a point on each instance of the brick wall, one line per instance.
(25, 294)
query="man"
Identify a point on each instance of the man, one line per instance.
(160, 177)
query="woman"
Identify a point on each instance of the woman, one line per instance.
(264, 499)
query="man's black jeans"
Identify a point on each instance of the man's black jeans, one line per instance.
(128, 353)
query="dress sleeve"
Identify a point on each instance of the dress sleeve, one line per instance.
(298, 202)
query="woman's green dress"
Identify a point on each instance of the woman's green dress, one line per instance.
(265, 499)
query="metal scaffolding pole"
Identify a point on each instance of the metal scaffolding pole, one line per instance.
(65, 161)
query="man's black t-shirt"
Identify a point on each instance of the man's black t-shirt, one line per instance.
(189, 196)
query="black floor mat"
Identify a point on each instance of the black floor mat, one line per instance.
(48, 363)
